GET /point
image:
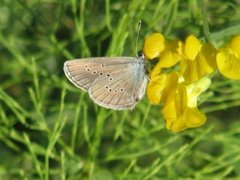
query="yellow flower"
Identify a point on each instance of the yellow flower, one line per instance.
(191, 47)
(160, 86)
(167, 52)
(170, 55)
(199, 59)
(155, 88)
(228, 59)
(180, 107)
(156, 46)
(153, 45)
(178, 92)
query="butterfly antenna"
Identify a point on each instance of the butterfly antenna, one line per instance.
(138, 33)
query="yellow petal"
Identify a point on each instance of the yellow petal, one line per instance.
(173, 109)
(204, 64)
(228, 64)
(192, 47)
(171, 55)
(155, 88)
(153, 45)
(178, 126)
(170, 113)
(190, 70)
(196, 89)
(176, 112)
(179, 49)
(174, 120)
(235, 45)
(208, 53)
(193, 117)
(170, 86)
(156, 70)
(168, 59)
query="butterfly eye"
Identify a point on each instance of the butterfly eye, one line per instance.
(110, 79)
(121, 90)
(100, 74)
(94, 72)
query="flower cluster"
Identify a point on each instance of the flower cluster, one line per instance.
(181, 75)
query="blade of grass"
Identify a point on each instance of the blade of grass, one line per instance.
(171, 17)
(107, 16)
(205, 21)
(98, 133)
(55, 135)
(63, 167)
(77, 118)
(79, 22)
(16, 108)
(35, 160)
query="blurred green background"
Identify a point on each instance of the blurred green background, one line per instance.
(51, 130)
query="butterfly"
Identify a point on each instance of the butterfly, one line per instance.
(112, 82)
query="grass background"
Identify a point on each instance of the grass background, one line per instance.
(51, 130)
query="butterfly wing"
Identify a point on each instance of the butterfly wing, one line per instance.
(80, 72)
(83, 72)
(122, 88)
(116, 83)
